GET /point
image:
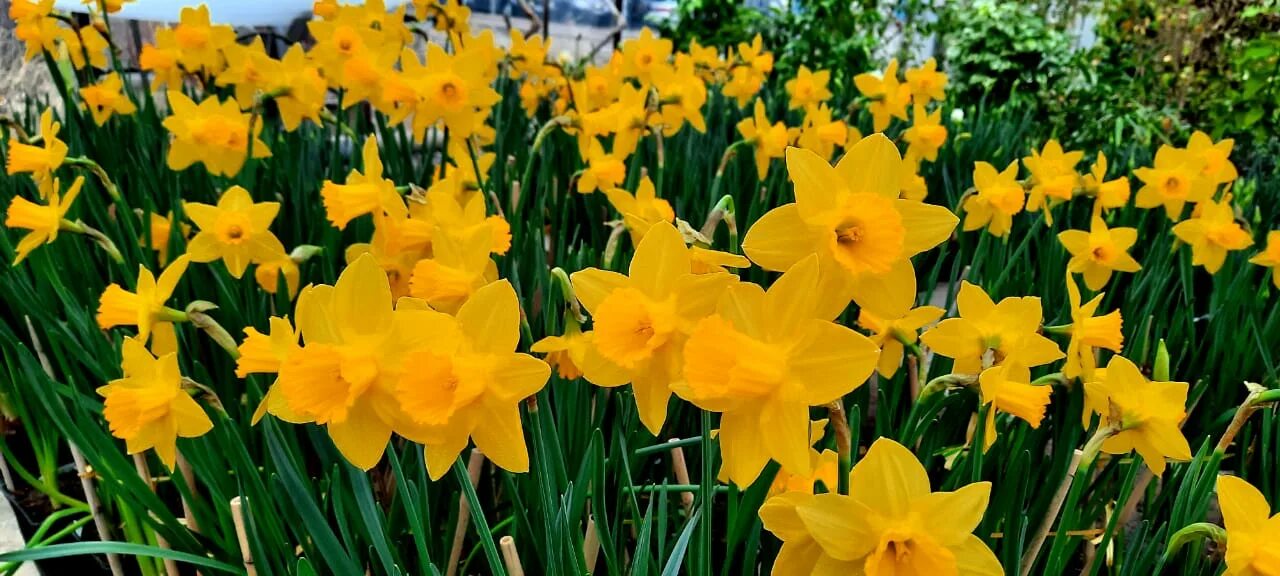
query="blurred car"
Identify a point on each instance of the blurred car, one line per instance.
(660, 12)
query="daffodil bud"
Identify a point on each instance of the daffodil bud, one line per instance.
(1160, 370)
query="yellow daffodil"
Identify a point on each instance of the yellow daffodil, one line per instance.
(144, 307)
(265, 354)
(1053, 177)
(998, 197)
(808, 88)
(1270, 256)
(1176, 178)
(600, 87)
(459, 266)
(304, 89)
(820, 134)
(363, 193)
(759, 60)
(1008, 389)
(43, 221)
(148, 408)
(471, 382)
(641, 321)
(345, 375)
(890, 523)
(451, 89)
(106, 99)
(1109, 194)
(1099, 252)
(926, 134)
(567, 352)
(161, 60)
(161, 227)
(744, 83)
(1088, 333)
(603, 171)
(1251, 530)
(889, 97)
(769, 140)
(987, 333)
(683, 95)
(912, 185)
(851, 215)
(824, 467)
(762, 360)
(1148, 414)
(926, 82)
(897, 325)
(200, 43)
(278, 264)
(642, 211)
(1212, 231)
(236, 231)
(1215, 158)
(39, 161)
(250, 70)
(528, 56)
(213, 133)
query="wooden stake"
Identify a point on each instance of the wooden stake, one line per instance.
(682, 474)
(590, 545)
(510, 557)
(242, 535)
(190, 479)
(144, 472)
(464, 513)
(95, 507)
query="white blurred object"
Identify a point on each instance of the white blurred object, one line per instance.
(279, 13)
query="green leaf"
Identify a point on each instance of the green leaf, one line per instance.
(122, 548)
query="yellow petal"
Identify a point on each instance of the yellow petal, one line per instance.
(1244, 508)
(743, 306)
(490, 318)
(816, 183)
(787, 439)
(315, 315)
(888, 478)
(779, 516)
(742, 446)
(191, 419)
(792, 299)
(660, 260)
(953, 516)
(927, 225)
(518, 376)
(592, 285)
(698, 294)
(169, 278)
(362, 437)
(440, 456)
(830, 361)
(873, 165)
(883, 295)
(500, 435)
(975, 558)
(840, 524)
(973, 302)
(362, 303)
(652, 389)
(780, 238)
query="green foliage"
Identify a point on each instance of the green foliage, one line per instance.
(1001, 50)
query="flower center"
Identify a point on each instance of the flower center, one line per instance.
(1174, 186)
(630, 327)
(868, 236)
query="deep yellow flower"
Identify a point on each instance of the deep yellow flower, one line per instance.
(1215, 162)
(200, 43)
(161, 227)
(93, 46)
(351, 50)
(1109, 194)
(161, 60)
(643, 55)
(345, 375)
(744, 83)
(213, 133)
(528, 56)
(1176, 178)
(808, 88)
(603, 170)
(22, 10)
(897, 325)
(147, 407)
(641, 211)
(1150, 413)
(824, 467)
(641, 322)
(144, 307)
(236, 231)
(44, 33)
(42, 221)
(889, 97)
(926, 134)
(304, 89)
(629, 119)
(1212, 231)
(759, 60)
(682, 96)
(911, 186)
(39, 161)
(450, 88)
(762, 360)
(769, 140)
(599, 88)
(988, 334)
(926, 82)
(1251, 531)
(1008, 389)
(1099, 252)
(707, 60)
(998, 197)
(106, 99)
(265, 354)
(1089, 332)
(820, 134)
(469, 383)
(891, 523)
(250, 70)
(1270, 256)
(567, 352)
(851, 215)
(458, 266)
(364, 193)
(1053, 177)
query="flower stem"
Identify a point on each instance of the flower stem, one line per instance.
(844, 443)
(98, 238)
(1083, 456)
(98, 172)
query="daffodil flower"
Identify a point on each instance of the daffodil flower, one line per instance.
(235, 231)
(1212, 232)
(147, 408)
(987, 333)
(1146, 414)
(144, 307)
(1089, 332)
(1098, 253)
(1251, 534)
(43, 221)
(998, 197)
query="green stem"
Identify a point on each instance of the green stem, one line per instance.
(1083, 457)
(97, 171)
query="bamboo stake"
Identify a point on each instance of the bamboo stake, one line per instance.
(590, 545)
(190, 479)
(242, 535)
(144, 472)
(464, 513)
(510, 557)
(682, 474)
(95, 507)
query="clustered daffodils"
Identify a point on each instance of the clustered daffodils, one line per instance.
(422, 337)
